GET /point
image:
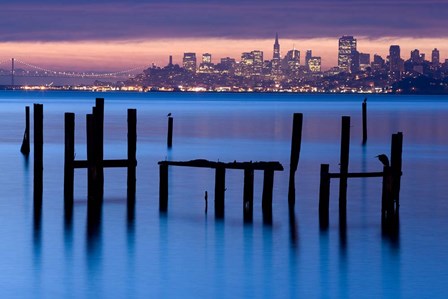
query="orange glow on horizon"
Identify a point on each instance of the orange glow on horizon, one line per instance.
(120, 55)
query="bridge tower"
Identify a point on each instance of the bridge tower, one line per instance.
(12, 72)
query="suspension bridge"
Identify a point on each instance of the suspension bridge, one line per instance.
(18, 68)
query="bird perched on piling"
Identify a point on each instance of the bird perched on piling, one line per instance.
(383, 159)
(169, 114)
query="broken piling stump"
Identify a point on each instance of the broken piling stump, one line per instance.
(25, 148)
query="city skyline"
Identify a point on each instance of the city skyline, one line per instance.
(112, 35)
(119, 56)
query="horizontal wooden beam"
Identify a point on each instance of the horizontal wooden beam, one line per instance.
(356, 175)
(276, 166)
(106, 163)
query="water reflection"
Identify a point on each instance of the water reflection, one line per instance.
(93, 241)
(37, 230)
(390, 230)
(293, 230)
(68, 225)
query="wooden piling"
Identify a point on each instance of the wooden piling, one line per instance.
(98, 131)
(163, 187)
(364, 121)
(132, 151)
(91, 165)
(396, 166)
(296, 142)
(170, 132)
(386, 194)
(220, 188)
(345, 148)
(38, 151)
(248, 195)
(324, 196)
(268, 189)
(69, 157)
(25, 148)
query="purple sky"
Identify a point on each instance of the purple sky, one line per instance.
(65, 21)
(51, 20)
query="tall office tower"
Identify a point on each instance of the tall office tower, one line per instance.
(257, 62)
(246, 64)
(378, 63)
(291, 62)
(354, 62)
(189, 62)
(415, 56)
(364, 61)
(308, 56)
(435, 59)
(347, 47)
(314, 64)
(276, 48)
(395, 62)
(206, 58)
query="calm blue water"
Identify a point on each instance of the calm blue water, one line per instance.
(187, 253)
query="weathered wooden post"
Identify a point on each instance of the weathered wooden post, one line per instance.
(25, 148)
(163, 187)
(69, 157)
(91, 165)
(248, 196)
(268, 188)
(98, 132)
(220, 188)
(324, 196)
(38, 151)
(296, 142)
(170, 132)
(345, 148)
(396, 165)
(386, 195)
(132, 150)
(364, 121)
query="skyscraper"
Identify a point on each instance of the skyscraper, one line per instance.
(364, 61)
(276, 48)
(292, 60)
(257, 62)
(435, 59)
(206, 58)
(395, 62)
(314, 64)
(189, 62)
(276, 70)
(308, 56)
(347, 48)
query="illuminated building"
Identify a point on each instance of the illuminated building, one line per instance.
(227, 65)
(189, 62)
(378, 63)
(416, 57)
(347, 47)
(276, 71)
(308, 55)
(395, 61)
(276, 48)
(251, 63)
(257, 62)
(435, 59)
(206, 58)
(364, 61)
(292, 60)
(314, 64)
